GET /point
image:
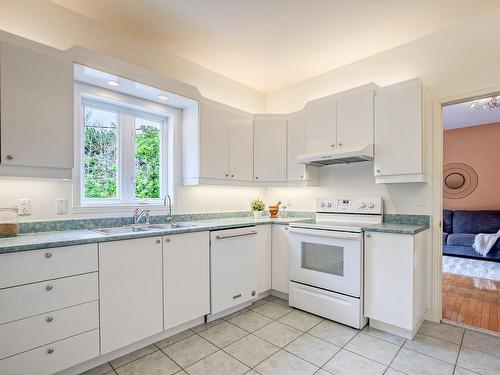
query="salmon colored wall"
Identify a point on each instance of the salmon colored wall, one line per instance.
(479, 147)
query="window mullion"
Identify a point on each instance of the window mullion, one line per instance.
(128, 152)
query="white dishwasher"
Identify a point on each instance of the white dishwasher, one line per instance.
(233, 263)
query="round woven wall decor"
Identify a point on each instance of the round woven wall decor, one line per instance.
(459, 180)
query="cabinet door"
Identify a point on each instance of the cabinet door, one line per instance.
(264, 239)
(280, 258)
(296, 142)
(214, 142)
(130, 285)
(241, 147)
(355, 121)
(389, 278)
(37, 109)
(233, 267)
(321, 127)
(398, 131)
(186, 280)
(270, 150)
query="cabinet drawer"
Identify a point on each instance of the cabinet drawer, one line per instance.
(55, 357)
(26, 334)
(32, 266)
(33, 299)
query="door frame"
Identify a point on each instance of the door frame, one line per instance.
(437, 166)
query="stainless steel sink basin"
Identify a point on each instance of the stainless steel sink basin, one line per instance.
(135, 228)
(170, 226)
(122, 230)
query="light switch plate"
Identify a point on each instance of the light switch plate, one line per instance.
(61, 206)
(24, 206)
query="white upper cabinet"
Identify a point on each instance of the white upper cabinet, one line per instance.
(36, 92)
(214, 142)
(355, 121)
(399, 133)
(321, 126)
(296, 145)
(270, 148)
(217, 145)
(240, 147)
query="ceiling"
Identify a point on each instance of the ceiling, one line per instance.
(271, 44)
(461, 115)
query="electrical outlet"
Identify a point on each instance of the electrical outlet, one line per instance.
(24, 206)
(61, 206)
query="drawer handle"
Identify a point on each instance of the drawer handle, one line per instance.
(48, 255)
(167, 239)
(49, 319)
(158, 241)
(237, 296)
(223, 237)
(48, 287)
(50, 350)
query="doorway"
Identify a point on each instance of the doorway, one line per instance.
(471, 213)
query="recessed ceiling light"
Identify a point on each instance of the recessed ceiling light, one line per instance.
(113, 83)
(162, 97)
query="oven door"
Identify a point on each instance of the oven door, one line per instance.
(326, 259)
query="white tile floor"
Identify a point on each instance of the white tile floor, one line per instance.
(270, 338)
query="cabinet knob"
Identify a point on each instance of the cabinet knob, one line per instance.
(256, 178)
(301, 177)
(48, 287)
(10, 157)
(50, 350)
(167, 239)
(49, 319)
(332, 145)
(232, 175)
(378, 170)
(48, 255)
(158, 241)
(227, 174)
(368, 235)
(340, 144)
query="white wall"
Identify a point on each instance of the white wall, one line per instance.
(459, 59)
(44, 192)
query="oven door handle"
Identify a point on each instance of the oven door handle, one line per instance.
(325, 233)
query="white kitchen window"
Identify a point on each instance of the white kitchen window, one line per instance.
(125, 150)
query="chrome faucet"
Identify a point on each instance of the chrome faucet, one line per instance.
(139, 215)
(169, 210)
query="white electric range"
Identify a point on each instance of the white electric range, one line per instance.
(326, 258)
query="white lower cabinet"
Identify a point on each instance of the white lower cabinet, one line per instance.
(263, 253)
(55, 357)
(186, 278)
(394, 284)
(233, 267)
(280, 258)
(130, 286)
(25, 334)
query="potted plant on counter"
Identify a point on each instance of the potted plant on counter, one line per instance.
(257, 206)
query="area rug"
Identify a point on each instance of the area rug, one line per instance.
(471, 267)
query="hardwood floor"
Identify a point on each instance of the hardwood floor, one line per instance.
(472, 301)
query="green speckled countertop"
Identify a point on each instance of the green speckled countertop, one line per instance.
(396, 228)
(45, 240)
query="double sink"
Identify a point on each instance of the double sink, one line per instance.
(135, 228)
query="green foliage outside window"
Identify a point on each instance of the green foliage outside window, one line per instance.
(147, 156)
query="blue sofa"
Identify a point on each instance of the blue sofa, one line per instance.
(460, 228)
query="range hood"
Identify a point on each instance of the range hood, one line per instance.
(344, 156)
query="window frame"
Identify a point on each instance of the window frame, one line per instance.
(128, 108)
